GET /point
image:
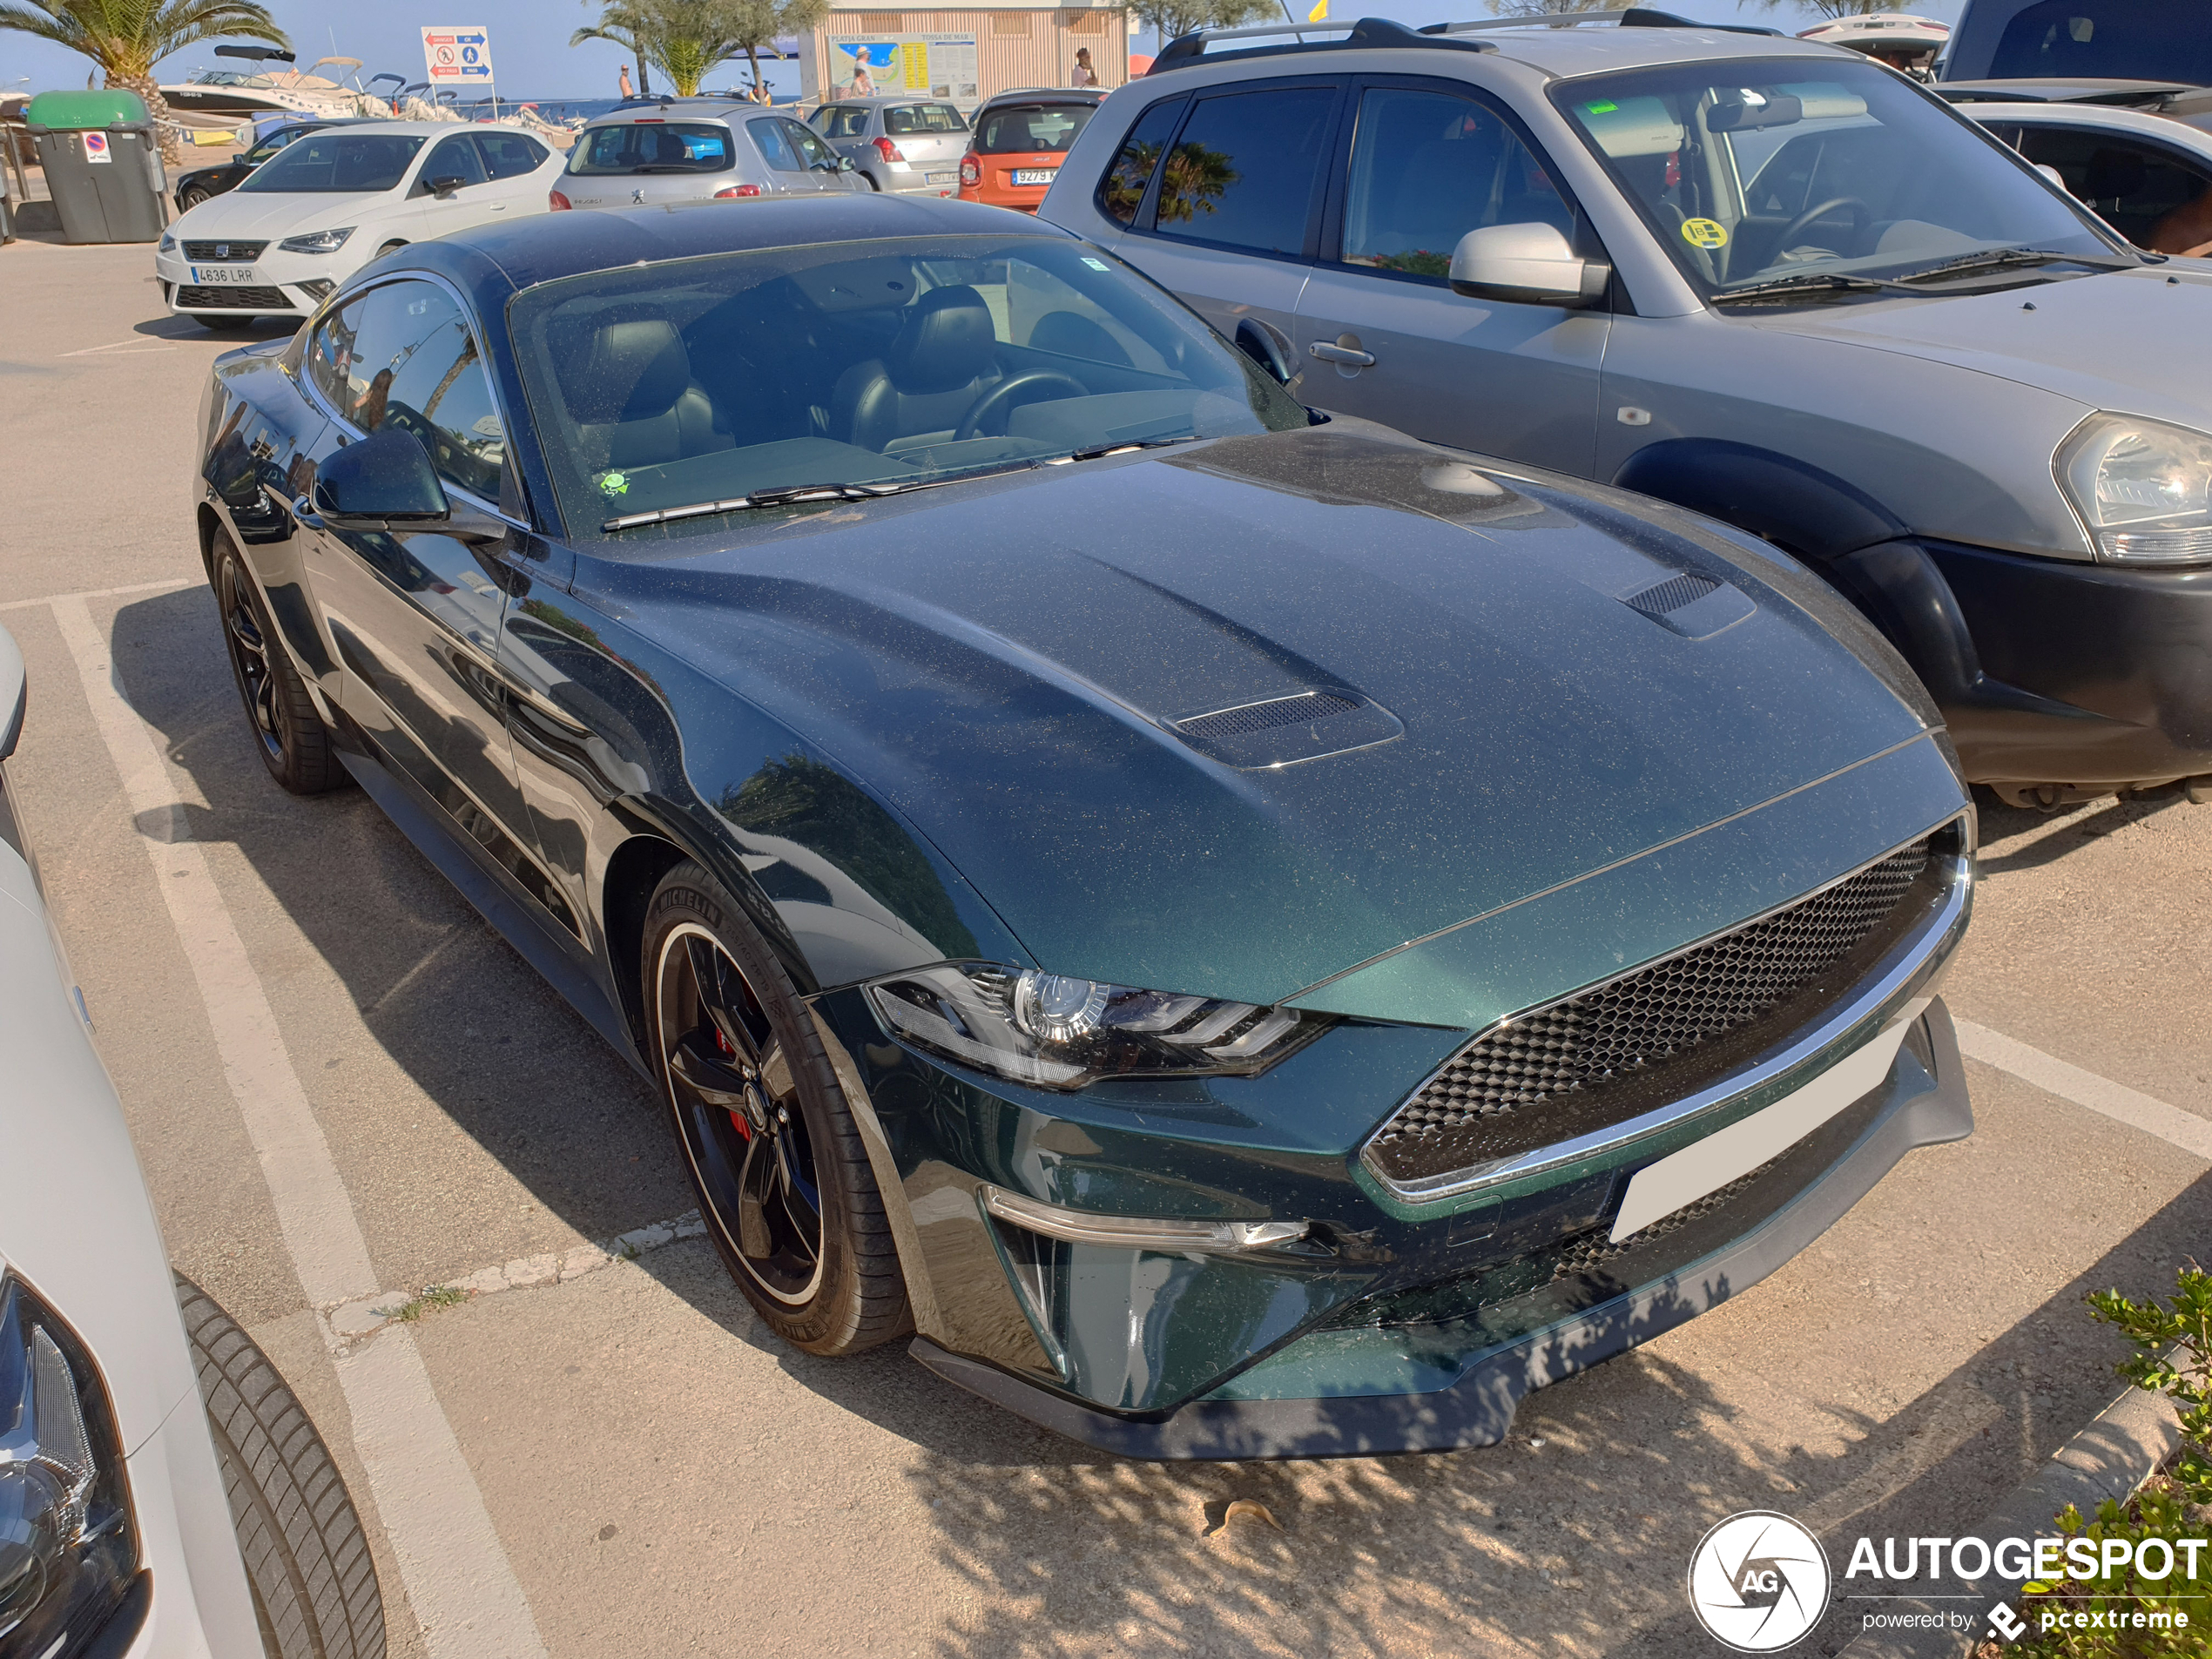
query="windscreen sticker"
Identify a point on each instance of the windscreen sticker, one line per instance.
(1603, 106)
(1704, 232)
(612, 483)
(1096, 264)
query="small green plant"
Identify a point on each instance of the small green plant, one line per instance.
(433, 1296)
(2173, 1357)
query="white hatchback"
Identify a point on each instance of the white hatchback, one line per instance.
(315, 213)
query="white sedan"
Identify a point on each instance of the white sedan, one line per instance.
(313, 213)
(2149, 176)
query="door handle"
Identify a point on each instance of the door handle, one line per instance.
(1330, 353)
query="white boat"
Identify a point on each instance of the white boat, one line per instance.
(264, 91)
(1906, 42)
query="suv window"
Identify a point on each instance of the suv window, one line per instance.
(1244, 169)
(454, 158)
(2140, 190)
(1121, 193)
(1428, 168)
(400, 356)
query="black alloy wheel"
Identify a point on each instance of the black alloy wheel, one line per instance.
(192, 198)
(769, 1140)
(295, 744)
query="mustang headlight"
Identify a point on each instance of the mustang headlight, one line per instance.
(1052, 1032)
(317, 241)
(67, 1547)
(2143, 488)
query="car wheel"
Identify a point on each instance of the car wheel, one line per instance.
(774, 1154)
(295, 744)
(188, 199)
(224, 323)
(308, 1563)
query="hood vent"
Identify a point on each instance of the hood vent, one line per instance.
(1671, 595)
(1282, 731)
(1271, 716)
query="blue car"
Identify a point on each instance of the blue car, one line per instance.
(1237, 933)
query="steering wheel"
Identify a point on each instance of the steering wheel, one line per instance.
(998, 400)
(1859, 214)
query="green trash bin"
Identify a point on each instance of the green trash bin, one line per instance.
(103, 165)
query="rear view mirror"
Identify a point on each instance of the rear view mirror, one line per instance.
(1528, 263)
(845, 163)
(1262, 349)
(1756, 110)
(443, 187)
(384, 481)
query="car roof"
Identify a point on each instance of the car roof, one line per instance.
(1045, 95)
(410, 129)
(689, 108)
(545, 248)
(876, 101)
(2099, 118)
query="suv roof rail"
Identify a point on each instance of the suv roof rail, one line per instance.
(1368, 34)
(1625, 17)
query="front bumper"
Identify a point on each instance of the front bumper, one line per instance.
(278, 288)
(1443, 1383)
(2075, 677)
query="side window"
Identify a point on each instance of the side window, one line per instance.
(508, 155)
(454, 158)
(330, 355)
(813, 151)
(2145, 194)
(775, 149)
(1122, 190)
(1245, 168)
(414, 367)
(1428, 168)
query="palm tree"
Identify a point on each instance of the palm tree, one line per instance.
(622, 25)
(126, 38)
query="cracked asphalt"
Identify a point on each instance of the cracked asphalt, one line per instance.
(665, 1478)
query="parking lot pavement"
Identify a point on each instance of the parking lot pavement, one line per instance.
(659, 1475)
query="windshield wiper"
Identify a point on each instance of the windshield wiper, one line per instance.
(1822, 284)
(2003, 258)
(797, 495)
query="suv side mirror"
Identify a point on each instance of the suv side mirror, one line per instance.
(443, 187)
(383, 482)
(1530, 264)
(845, 163)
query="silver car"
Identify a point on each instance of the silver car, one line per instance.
(909, 147)
(694, 150)
(1769, 280)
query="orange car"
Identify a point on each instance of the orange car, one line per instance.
(1019, 139)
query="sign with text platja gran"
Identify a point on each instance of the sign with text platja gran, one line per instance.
(457, 55)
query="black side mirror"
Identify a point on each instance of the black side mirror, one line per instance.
(383, 482)
(443, 187)
(1262, 347)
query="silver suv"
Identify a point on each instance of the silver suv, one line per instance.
(908, 146)
(1769, 281)
(689, 150)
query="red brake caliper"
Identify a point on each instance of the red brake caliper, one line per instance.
(737, 1119)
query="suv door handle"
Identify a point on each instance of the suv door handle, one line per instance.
(1333, 354)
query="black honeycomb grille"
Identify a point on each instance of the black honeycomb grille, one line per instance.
(1267, 717)
(233, 298)
(224, 250)
(1590, 1050)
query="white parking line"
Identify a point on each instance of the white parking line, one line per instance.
(460, 1584)
(98, 593)
(2116, 1101)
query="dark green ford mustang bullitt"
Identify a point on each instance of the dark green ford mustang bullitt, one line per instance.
(1243, 933)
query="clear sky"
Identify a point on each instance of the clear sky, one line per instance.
(531, 54)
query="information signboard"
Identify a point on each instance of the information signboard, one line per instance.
(457, 55)
(933, 65)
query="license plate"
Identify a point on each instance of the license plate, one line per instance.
(210, 276)
(940, 178)
(1033, 175)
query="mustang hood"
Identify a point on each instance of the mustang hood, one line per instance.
(1234, 717)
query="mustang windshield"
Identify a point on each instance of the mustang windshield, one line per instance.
(762, 379)
(1831, 168)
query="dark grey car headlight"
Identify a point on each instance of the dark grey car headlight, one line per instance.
(1049, 1031)
(67, 1546)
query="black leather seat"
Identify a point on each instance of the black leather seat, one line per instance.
(945, 358)
(626, 379)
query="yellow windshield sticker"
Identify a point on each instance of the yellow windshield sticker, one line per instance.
(1704, 232)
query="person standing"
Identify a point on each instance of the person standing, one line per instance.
(1084, 75)
(626, 91)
